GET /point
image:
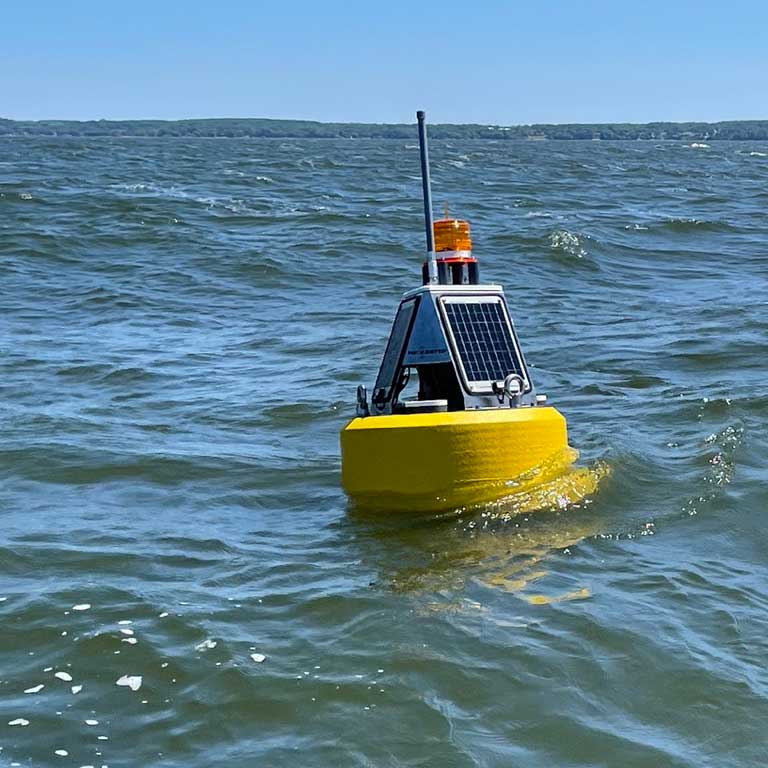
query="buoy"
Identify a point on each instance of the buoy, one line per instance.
(453, 419)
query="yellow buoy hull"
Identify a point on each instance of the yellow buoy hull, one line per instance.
(438, 461)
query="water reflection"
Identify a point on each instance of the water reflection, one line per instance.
(503, 545)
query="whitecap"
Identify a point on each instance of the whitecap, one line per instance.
(61, 752)
(206, 645)
(569, 242)
(35, 689)
(91, 722)
(81, 607)
(18, 721)
(258, 657)
(77, 688)
(131, 681)
(65, 676)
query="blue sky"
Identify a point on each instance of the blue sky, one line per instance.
(487, 62)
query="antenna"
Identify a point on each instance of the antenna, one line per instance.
(427, 193)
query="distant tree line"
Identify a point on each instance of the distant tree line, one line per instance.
(236, 128)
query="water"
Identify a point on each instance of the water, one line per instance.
(183, 327)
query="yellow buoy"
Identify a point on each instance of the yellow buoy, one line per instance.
(436, 461)
(454, 419)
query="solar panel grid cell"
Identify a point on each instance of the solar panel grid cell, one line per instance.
(483, 340)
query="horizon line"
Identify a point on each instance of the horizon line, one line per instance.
(354, 122)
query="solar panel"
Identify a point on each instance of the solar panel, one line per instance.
(483, 339)
(394, 351)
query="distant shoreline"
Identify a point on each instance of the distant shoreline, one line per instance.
(233, 128)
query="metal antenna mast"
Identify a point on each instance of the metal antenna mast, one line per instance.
(427, 193)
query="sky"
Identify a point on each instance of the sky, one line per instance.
(480, 61)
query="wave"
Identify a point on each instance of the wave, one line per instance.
(569, 248)
(686, 225)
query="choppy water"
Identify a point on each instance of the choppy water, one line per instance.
(183, 325)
